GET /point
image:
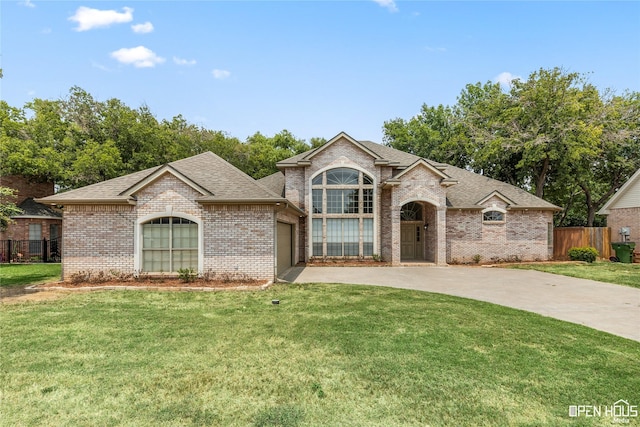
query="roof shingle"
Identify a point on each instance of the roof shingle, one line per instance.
(224, 181)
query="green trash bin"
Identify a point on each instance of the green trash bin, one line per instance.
(624, 251)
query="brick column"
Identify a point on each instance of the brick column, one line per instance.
(441, 246)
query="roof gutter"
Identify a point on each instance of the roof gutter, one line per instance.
(62, 202)
(276, 202)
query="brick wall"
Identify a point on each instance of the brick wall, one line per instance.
(238, 239)
(523, 235)
(26, 188)
(625, 217)
(98, 238)
(421, 185)
(19, 229)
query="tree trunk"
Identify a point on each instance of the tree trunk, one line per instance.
(542, 177)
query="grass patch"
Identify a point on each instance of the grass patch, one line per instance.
(327, 355)
(602, 271)
(28, 274)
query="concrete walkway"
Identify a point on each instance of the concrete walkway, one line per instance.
(606, 307)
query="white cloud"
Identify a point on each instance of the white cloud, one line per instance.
(99, 66)
(139, 57)
(220, 74)
(505, 79)
(181, 61)
(389, 4)
(145, 28)
(27, 3)
(435, 49)
(89, 19)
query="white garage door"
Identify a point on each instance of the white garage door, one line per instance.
(285, 235)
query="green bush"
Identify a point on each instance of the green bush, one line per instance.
(187, 275)
(587, 253)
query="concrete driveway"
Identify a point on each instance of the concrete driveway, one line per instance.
(606, 307)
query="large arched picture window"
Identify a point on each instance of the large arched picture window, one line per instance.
(342, 213)
(169, 244)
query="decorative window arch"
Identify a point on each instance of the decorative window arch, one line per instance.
(342, 213)
(168, 243)
(493, 215)
(411, 211)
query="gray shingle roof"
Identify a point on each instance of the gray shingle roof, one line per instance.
(223, 182)
(473, 187)
(470, 189)
(274, 182)
(31, 208)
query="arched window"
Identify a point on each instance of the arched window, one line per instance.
(493, 216)
(169, 244)
(342, 213)
(411, 212)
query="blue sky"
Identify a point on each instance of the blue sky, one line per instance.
(313, 67)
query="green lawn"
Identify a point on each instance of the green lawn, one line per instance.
(328, 355)
(28, 274)
(603, 271)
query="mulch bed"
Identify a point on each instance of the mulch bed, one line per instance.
(159, 284)
(347, 263)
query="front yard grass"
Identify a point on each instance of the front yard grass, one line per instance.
(327, 355)
(602, 271)
(28, 274)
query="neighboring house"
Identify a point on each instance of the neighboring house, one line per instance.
(23, 238)
(345, 199)
(623, 211)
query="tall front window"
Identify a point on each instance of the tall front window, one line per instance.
(169, 244)
(342, 213)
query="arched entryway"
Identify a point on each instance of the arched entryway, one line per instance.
(417, 240)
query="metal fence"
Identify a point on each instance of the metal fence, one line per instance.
(31, 250)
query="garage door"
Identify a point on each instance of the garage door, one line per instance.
(284, 246)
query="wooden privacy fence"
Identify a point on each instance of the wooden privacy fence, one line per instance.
(566, 238)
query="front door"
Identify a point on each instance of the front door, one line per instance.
(410, 242)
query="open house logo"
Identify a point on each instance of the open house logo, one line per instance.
(620, 412)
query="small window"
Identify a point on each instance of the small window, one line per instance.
(493, 216)
(35, 231)
(317, 180)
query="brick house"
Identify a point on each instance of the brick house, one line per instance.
(347, 198)
(35, 223)
(623, 211)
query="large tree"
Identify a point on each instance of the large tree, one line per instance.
(78, 140)
(553, 134)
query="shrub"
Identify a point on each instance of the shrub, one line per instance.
(477, 258)
(187, 275)
(586, 253)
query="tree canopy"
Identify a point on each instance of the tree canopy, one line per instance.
(78, 140)
(7, 207)
(554, 134)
